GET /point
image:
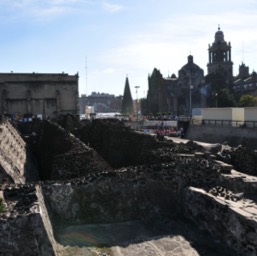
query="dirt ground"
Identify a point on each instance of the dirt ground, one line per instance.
(166, 238)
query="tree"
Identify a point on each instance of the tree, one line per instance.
(248, 101)
(225, 98)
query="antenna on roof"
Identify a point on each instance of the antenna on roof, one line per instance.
(243, 51)
(86, 73)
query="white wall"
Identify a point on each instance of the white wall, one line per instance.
(250, 114)
(217, 113)
(238, 114)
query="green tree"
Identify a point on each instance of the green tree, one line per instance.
(2, 206)
(248, 101)
(225, 98)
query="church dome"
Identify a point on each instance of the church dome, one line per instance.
(190, 65)
(190, 69)
(219, 36)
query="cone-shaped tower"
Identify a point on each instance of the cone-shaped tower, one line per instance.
(127, 102)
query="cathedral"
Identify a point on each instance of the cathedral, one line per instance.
(191, 89)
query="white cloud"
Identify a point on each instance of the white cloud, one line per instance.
(37, 9)
(168, 43)
(49, 12)
(109, 70)
(112, 7)
(58, 2)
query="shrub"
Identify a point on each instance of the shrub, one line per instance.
(2, 206)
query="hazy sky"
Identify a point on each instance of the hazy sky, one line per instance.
(116, 38)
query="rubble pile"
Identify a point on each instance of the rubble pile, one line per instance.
(243, 159)
(120, 147)
(23, 231)
(62, 156)
(104, 172)
(226, 194)
(20, 200)
(129, 193)
(116, 143)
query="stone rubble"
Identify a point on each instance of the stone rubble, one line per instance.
(104, 172)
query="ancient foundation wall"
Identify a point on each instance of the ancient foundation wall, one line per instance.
(62, 156)
(12, 152)
(230, 222)
(165, 187)
(234, 136)
(152, 192)
(139, 192)
(112, 197)
(24, 236)
(45, 218)
(23, 224)
(118, 144)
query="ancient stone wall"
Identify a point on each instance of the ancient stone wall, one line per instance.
(62, 156)
(149, 193)
(234, 136)
(47, 225)
(12, 152)
(23, 231)
(243, 159)
(116, 143)
(232, 221)
(110, 198)
(158, 179)
(139, 192)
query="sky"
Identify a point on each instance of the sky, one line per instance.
(105, 41)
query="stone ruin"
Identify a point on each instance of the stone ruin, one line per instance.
(102, 172)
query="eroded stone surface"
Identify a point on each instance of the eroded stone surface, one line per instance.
(23, 231)
(155, 180)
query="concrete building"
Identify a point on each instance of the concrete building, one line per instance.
(100, 103)
(244, 82)
(239, 117)
(37, 94)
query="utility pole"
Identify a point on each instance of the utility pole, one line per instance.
(86, 74)
(190, 95)
(137, 87)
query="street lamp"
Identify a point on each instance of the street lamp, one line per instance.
(137, 87)
(174, 79)
(216, 94)
(190, 94)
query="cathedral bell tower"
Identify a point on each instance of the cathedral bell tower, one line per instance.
(220, 57)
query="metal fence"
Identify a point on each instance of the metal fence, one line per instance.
(241, 124)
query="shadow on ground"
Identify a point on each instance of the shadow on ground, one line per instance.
(164, 237)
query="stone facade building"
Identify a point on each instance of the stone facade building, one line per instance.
(35, 94)
(176, 95)
(220, 57)
(192, 89)
(244, 82)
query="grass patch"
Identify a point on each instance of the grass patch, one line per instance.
(2, 206)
